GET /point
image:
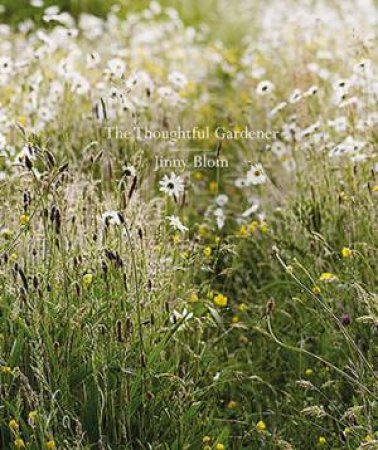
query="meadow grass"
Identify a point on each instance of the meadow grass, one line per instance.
(206, 309)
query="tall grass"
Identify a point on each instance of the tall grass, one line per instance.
(250, 323)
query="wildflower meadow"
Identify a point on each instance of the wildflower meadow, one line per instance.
(188, 225)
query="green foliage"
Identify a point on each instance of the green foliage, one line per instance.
(119, 330)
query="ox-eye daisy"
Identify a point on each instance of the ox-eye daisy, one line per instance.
(256, 175)
(176, 224)
(264, 87)
(172, 185)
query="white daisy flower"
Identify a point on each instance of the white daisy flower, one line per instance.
(128, 105)
(56, 90)
(240, 182)
(310, 130)
(342, 85)
(258, 72)
(112, 218)
(295, 96)
(129, 171)
(79, 84)
(45, 114)
(176, 224)
(36, 3)
(359, 158)
(313, 90)
(178, 79)
(91, 26)
(177, 316)
(172, 185)
(363, 68)
(279, 149)
(291, 132)
(252, 209)
(64, 18)
(6, 65)
(339, 124)
(165, 92)
(93, 59)
(256, 175)
(221, 199)
(155, 7)
(3, 142)
(27, 151)
(348, 147)
(352, 101)
(264, 87)
(277, 109)
(116, 67)
(219, 217)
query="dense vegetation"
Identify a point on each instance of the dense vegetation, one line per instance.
(226, 307)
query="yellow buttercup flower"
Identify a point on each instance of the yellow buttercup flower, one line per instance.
(88, 278)
(13, 257)
(221, 300)
(198, 175)
(206, 440)
(235, 319)
(243, 231)
(220, 447)
(264, 227)
(261, 426)
(242, 307)
(346, 252)
(213, 187)
(193, 298)
(203, 230)
(328, 277)
(207, 251)
(316, 289)
(21, 120)
(32, 415)
(253, 226)
(24, 219)
(232, 404)
(19, 443)
(309, 372)
(13, 425)
(6, 370)
(343, 196)
(322, 440)
(50, 445)
(31, 418)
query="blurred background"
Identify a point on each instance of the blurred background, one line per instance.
(227, 20)
(14, 11)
